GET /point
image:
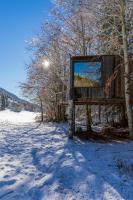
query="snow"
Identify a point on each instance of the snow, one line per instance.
(39, 162)
(17, 117)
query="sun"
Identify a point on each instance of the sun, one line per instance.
(46, 64)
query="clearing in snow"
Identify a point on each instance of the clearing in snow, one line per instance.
(41, 163)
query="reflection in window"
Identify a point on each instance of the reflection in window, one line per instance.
(87, 74)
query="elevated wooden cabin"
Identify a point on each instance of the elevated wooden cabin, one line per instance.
(111, 80)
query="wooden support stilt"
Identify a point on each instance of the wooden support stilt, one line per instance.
(71, 102)
(71, 119)
(99, 113)
(58, 112)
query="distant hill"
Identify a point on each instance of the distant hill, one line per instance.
(10, 101)
(80, 81)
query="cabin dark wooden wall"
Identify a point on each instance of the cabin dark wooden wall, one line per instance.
(107, 70)
(85, 92)
(119, 81)
(109, 64)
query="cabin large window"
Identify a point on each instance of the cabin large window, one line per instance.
(87, 74)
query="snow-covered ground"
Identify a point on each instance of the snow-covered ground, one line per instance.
(41, 163)
(17, 117)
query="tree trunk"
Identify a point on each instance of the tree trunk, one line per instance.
(41, 110)
(3, 102)
(84, 51)
(127, 70)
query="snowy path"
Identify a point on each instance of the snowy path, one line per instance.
(43, 164)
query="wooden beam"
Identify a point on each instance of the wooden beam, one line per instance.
(98, 102)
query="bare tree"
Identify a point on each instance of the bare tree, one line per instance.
(80, 27)
(127, 69)
(115, 34)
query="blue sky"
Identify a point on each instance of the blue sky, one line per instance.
(20, 20)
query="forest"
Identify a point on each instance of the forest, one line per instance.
(80, 28)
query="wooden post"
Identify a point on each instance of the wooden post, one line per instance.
(88, 118)
(71, 119)
(71, 102)
(99, 113)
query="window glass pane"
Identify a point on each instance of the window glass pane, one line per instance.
(87, 74)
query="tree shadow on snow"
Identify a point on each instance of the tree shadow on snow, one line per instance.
(77, 167)
(74, 167)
